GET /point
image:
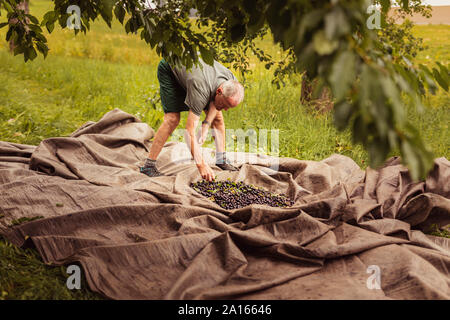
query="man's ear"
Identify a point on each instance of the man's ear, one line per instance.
(219, 90)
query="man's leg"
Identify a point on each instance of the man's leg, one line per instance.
(171, 120)
(218, 125)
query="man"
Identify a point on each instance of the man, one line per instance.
(204, 88)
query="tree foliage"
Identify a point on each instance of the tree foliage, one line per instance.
(369, 76)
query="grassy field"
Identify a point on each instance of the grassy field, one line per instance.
(85, 76)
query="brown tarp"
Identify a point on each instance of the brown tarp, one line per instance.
(155, 238)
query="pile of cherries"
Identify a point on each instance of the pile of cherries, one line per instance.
(233, 195)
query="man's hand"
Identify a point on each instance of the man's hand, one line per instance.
(206, 172)
(191, 123)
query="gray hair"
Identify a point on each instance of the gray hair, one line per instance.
(233, 89)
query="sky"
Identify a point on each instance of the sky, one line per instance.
(438, 2)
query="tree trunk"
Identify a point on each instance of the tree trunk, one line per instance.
(323, 104)
(307, 90)
(22, 6)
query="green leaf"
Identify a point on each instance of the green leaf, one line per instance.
(9, 33)
(207, 55)
(391, 91)
(431, 85)
(426, 70)
(429, 78)
(7, 6)
(440, 80)
(14, 37)
(342, 114)
(119, 11)
(385, 5)
(210, 9)
(32, 19)
(378, 151)
(107, 8)
(40, 37)
(256, 22)
(19, 50)
(3, 24)
(32, 53)
(322, 45)
(342, 74)
(360, 130)
(411, 159)
(238, 32)
(405, 4)
(51, 15)
(29, 54)
(50, 26)
(336, 24)
(42, 48)
(442, 67)
(307, 60)
(250, 5)
(444, 72)
(309, 22)
(35, 28)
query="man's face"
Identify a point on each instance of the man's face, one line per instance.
(223, 103)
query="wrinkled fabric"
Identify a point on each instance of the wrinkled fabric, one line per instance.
(156, 238)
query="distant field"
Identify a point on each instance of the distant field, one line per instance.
(439, 15)
(85, 76)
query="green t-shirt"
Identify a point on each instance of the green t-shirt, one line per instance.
(201, 83)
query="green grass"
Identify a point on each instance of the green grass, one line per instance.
(439, 232)
(23, 275)
(85, 76)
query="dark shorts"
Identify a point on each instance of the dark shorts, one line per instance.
(172, 93)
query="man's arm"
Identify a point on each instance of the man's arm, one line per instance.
(212, 112)
(204, 169)
(206, 124)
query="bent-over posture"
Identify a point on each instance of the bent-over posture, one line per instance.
(207, 88)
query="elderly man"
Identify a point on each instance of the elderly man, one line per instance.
(203, 88)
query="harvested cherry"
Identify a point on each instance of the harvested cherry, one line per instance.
(233, 195)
